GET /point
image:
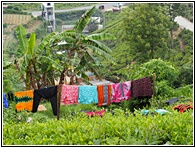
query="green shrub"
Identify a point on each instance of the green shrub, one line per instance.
(120, 128)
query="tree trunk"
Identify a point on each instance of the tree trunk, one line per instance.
(28, 86)
(62, 76)
(17, 67)
(172, 40)
(35, 71)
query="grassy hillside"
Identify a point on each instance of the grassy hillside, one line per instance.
(16, 19)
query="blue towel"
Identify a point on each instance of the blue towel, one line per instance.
(145, 112)
(161, 111)
(5, 101)
(88, 94)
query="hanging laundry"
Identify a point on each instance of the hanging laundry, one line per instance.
(121, 91)
(69, 94)
(24, 100)
(5, 101)
(88, 94)
(10, 96)
(49, 93)
(104, 94)
(141, 88)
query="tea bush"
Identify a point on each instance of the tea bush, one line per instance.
(116, 127)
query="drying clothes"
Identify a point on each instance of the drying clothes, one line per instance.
(24, 100)
(182, 107)
(161, 111)
(171, 101)
(121, 91)
(49, 93)
(69, 94)
(5, 101)
(10, 96)
(104, 94)
(88, 94)
(91, 114)
(141, 88)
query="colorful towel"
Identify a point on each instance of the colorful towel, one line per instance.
(104, 94)
(24, 100)
(69, 94)
(141, 88)
(88, 94)
(121, 91)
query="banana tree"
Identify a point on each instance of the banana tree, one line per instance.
(25, 62)
(80, 50)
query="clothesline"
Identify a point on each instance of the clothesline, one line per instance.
(73, 94)
(59, 87)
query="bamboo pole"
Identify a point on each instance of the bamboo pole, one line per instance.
(154, 84)
(59, 89)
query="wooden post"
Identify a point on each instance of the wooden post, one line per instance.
(154, 84)
(59, 89)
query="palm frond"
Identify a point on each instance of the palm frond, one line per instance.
(84, 20)
(31, 45)
(45, 42)
(99, 51)
(102, 36)
(98, 45)
(21, 36)
(53, 62)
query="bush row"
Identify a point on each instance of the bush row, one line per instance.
(117, 128)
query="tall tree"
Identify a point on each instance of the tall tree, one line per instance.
(145, 30)
(26, 56)
(78, 50)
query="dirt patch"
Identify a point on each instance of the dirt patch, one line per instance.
(175, 33)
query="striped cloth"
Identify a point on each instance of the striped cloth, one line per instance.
(104, 94)
(24, 100)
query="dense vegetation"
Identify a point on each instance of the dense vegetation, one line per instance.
(116, 127)
(37, 6)
(148, 41)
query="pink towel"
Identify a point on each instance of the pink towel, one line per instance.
(121, 91)
(69, 94)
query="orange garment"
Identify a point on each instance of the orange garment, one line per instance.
(24, 100)
(100, 95)
(104, 94)
(182, 107)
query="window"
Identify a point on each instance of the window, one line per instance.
(48, 4)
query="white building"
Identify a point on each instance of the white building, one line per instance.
(49, 14)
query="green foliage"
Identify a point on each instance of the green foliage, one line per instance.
(92, 26)
(69, 16)
(61, 6)
(78, 129)
(4, 25)
(84, 20)
(145, 29)
(41, 32)
(13, 9)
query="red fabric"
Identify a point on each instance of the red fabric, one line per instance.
(69, 94)
(100, 95)
(100, 113)
(182, 107)
(141, 88)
